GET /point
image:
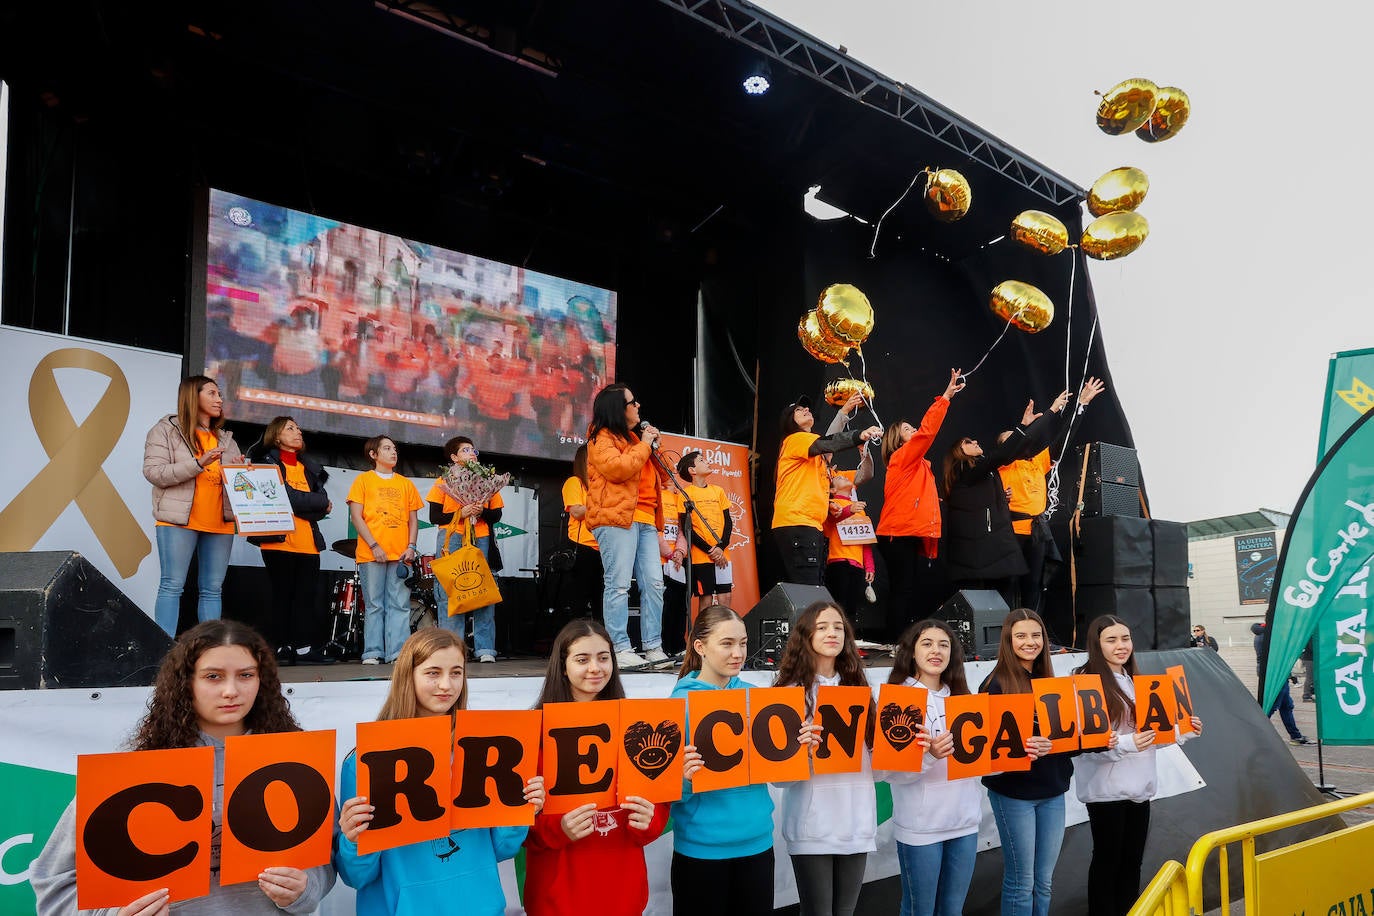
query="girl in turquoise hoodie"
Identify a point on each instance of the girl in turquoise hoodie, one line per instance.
(458, 873)
(722, 839)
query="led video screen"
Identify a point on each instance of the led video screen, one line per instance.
(359, 332)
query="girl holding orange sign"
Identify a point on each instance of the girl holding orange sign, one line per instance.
(570, 856)
(830, 821)
(456, 873)
(935, 818)
(1116, 784)
(219, 680)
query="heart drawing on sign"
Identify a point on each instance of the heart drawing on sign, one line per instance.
(652, 749)
(899, 725)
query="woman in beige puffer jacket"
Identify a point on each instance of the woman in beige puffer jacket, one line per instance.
(182, 456)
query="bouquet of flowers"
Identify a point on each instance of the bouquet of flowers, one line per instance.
(472, 483)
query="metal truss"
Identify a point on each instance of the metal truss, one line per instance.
(804, 54)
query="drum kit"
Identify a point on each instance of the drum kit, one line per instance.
(346, 605)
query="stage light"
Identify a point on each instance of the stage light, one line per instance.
(758, 81)
(819, 209)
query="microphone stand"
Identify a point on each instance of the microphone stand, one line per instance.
(689, 507)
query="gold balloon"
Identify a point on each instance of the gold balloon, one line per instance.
(948, 195)
(1115, 235)
(816, 343)
(1126, 106)
(1039, 231)
(845, 314)
(1171, 113)
(1023, 305)
(840, 390)
(1119, 189)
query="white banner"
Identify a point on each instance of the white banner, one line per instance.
(59, 724)
(75, 415)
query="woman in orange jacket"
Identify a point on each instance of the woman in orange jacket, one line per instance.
(909, 528)
(625, 513)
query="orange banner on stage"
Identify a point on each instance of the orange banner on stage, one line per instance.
(731, 465)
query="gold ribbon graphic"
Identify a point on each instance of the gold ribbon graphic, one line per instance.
(74, 471)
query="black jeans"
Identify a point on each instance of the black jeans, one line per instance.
(803, 554)
(910, 579)
(294, 579)
(846, 583)
(1119, 830)
(725, 887)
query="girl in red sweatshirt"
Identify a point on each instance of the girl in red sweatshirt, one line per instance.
(588, 854)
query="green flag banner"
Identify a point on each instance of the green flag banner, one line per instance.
(1349, 394)
(1320, 588)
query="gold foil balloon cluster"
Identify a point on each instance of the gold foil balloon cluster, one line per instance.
(1024, 306)
(1118, 229)
(1154, 113)
(841, 321)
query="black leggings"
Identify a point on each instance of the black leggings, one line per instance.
(1119, 830)
(829, 885)
(293, 578)
(726, 887)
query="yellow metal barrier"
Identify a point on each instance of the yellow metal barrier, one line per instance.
(1166, 895)
(1245, 834)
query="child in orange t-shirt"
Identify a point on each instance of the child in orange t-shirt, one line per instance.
(709, 527)
(383, 504)
(849, 567)
(444, 510)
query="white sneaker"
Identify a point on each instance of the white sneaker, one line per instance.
(629, 659)
(655, 654)
(486, 657)
(372, 661)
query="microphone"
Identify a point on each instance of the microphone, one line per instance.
(643, 425)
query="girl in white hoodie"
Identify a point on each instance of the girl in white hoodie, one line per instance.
(935, 817)
(1117, 784)
(830, 821)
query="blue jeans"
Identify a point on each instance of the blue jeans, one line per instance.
(386, 615)
(935, 878)
(1284, 705)
(175, 546)
(1031, 831)
(626, 551)
(483, 618)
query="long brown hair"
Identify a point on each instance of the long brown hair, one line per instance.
(1008, 672)
(956, 462)
(892, 439)
(707, 620)
(400, 699)
(580, 465)
(904, 658)
(556, 687)
(188, 410)
(1120, 707)
(171, 719)
(798, 665)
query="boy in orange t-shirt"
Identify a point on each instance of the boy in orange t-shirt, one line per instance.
(444, 510)
(383, 506)
(709, 528)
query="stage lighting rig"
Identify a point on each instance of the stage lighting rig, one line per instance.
(759, 80)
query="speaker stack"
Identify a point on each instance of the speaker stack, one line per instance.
(769, 623)
(63, 624)
(976, 617)
(1130, 567)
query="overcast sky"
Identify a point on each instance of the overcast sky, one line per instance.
(1219, 329)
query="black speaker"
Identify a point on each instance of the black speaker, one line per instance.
(1112, 484)
(1171, 553)
(769, 623)
(63, 624)
(1136, 606)
(1115, 551)
(1173, 618)
(1109, 463)
(976, 614)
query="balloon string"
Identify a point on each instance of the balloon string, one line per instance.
(1052, 488)
(873, 248)
(1015, 315)
(863, 375)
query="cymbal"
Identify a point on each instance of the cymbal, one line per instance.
(348, 547)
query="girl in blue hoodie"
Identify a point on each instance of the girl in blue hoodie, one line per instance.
(830, 821)
(935, 818)
(458, 873)
(723, 839)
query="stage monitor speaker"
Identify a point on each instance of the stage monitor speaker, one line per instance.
(769, 623)
(976, 614)
(1171, 554)
(1173, 618)
(1109, 463)
(63, 624)
(1135, 606)
(1112, 484)
(1114, 551)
